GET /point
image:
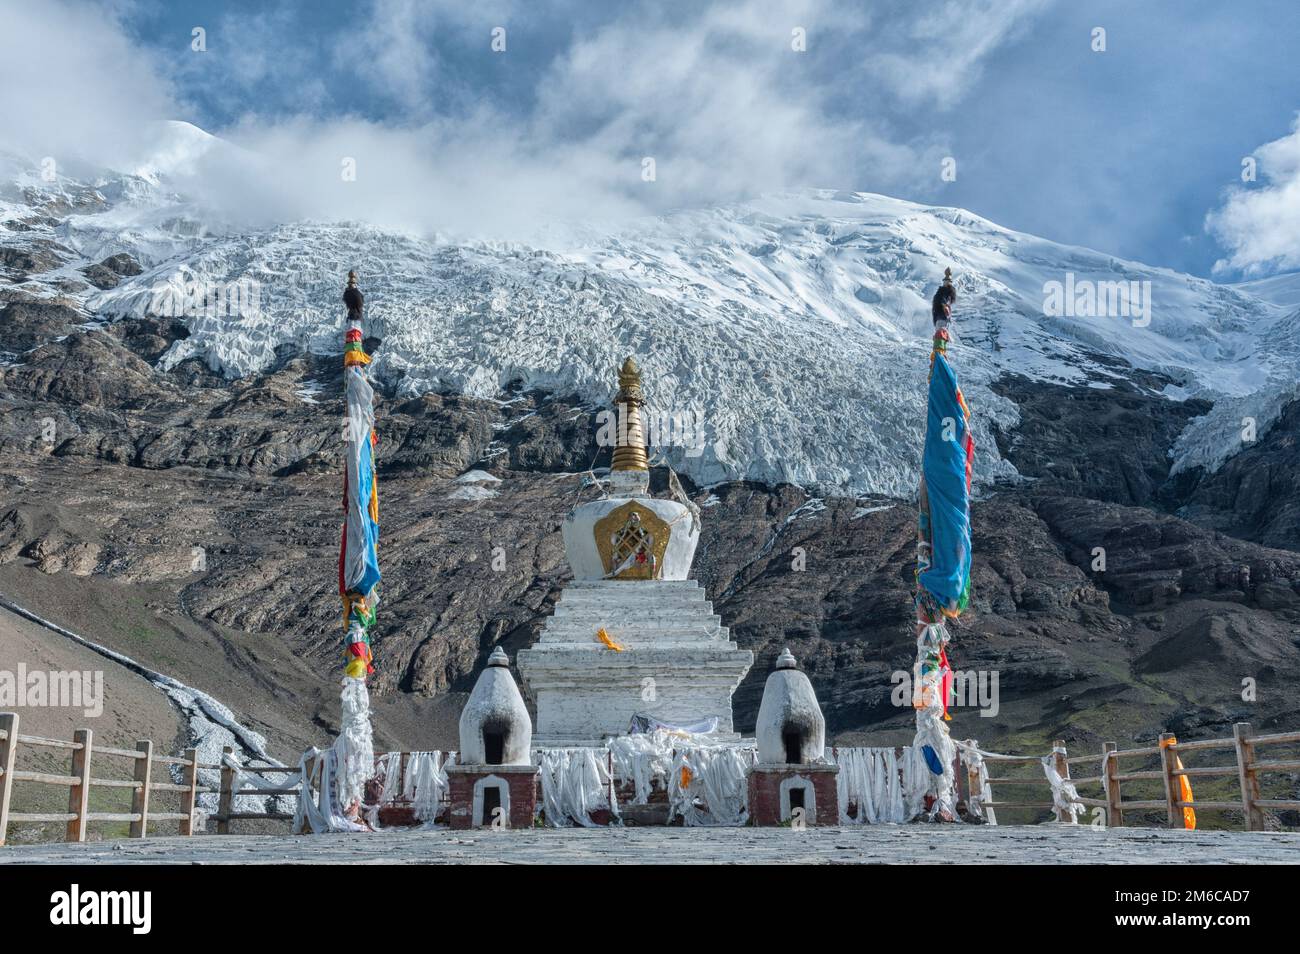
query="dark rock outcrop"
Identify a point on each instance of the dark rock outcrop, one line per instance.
(110, 272)
(1255, 494)
(29, 323)
(1105, 443)
(37, 256)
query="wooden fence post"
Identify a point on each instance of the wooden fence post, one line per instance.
(304, 792)
(1169, 762)
(1247, 777)
(8, 749)
(79, 793)
(1063, 770)
(190, 777)
(226, 799)
(972, 785)
(1110, 770)
(140, 801)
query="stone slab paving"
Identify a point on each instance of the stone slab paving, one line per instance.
(907, 844)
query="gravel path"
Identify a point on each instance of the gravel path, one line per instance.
(911, 844)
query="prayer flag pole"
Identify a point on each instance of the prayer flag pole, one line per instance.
(943, 555)
(358, 563)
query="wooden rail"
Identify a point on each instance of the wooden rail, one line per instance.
(86, 758)
(227, 793)
(1059, 761)
(1247, 770)
(79, 781)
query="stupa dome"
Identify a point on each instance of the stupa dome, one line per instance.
(791, 728)
(495, 728)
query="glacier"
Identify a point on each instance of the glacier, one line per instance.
(796, 324)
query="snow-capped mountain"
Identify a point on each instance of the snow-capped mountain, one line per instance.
(796, 324)
(1279, 289)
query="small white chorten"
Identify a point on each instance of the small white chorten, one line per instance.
(493, 781)
(793, 780)
(791, 728)
(494, 725)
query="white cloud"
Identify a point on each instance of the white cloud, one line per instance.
(714, 93)
(391, 51)
(1260, 225)
(393, 47)
(935, 57)
(723, 107)
(73, 86)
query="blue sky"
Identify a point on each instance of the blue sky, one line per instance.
(1127, 150)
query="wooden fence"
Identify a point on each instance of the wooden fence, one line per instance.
(140, 762)
(79, 781)
(1111, 777)
(228, 793)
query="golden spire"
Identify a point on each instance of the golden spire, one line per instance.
(629, 450)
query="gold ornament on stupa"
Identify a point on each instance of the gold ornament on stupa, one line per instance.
(632, 541)
(629, 450)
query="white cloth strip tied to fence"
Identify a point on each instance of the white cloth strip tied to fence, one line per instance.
(919, 782)
(388, 768)
(423, 784)
(1105, 780)
(252, 776)
(1065, 797)
(643, 758)
(291, 777)
(318, 807)
(575, 783)
(981, 794)
(870, 782)
(718, 776)
(970, 745)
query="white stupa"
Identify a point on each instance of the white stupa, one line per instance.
(791, 729)
(632, 636)
(494, 725)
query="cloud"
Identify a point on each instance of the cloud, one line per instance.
(499, 145)
(73, 86)
(724, 107)
(714, 95)
(935, 57)
(1260, 226)
(390, 51)
(254, 62)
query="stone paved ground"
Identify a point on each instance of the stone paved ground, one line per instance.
(911, 844)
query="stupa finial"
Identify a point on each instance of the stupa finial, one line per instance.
(629, 451)
(353, 298)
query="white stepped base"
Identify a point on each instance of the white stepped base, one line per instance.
(679, 663)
